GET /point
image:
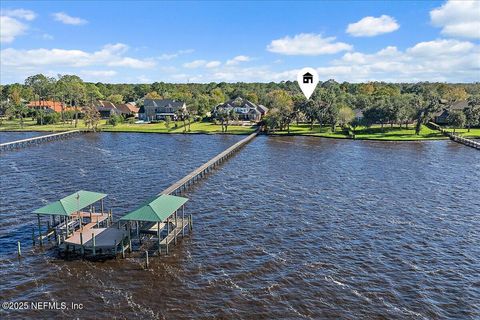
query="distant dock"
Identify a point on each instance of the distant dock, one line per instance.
(37, 140)
(454, 137)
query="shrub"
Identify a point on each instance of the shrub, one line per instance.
(114, 120)
(49, 118)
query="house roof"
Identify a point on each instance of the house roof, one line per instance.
(262, 108)
(157, 209)
(240, 102)
(103, 104)
(132, 107)
(72, 203)
(163, 103)
(54, 105)
(123, 108)
(458, 105)
(308, 74)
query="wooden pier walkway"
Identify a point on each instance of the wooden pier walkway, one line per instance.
(182, 184)
(37, 140)
(92, 233)
(457, 138)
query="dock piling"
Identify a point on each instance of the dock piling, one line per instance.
(19, 249)
(33, 237)
(82, 249)
(93, 244)
(39, 231)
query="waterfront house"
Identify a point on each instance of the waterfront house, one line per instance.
(442, 116)
(358, 114)
(47, 105)
(128, 109)
(245, 109)
(159, 109)
(107, 108)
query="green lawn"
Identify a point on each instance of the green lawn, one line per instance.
(373, 133)
(304, 130)
(31, 125)
(474, 132)
(396, 134)
(196, 127)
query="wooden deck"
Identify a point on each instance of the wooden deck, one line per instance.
(177, 231)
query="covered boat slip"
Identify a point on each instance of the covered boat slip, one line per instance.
(68, 224)
(91, 233)
(158, 218)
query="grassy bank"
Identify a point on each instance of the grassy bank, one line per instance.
(375, 132)
(372, 133)
(196, 127)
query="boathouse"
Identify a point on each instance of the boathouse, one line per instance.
(159, 219)
(80, 230)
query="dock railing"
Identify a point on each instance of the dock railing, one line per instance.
(36, 140)
(455, 137)
(193, 176)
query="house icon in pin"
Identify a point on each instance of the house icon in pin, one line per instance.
(308, 78)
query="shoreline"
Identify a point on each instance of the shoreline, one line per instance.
(440, 138)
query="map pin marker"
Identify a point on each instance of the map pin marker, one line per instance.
(307, 79)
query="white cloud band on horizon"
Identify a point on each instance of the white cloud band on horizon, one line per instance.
(110, 55)
(201, 63)
(307, 44)
(372, 26)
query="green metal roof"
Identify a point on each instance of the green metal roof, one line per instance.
(72, 203)
(157, 209)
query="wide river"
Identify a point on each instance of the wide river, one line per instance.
(288, 228)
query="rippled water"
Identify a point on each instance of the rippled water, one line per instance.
(13, 136)
(290, 227)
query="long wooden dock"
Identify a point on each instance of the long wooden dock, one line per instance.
(93, 234)
(454, 137)
(37, 140)
(182, 184)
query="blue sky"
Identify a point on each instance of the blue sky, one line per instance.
(134, 42)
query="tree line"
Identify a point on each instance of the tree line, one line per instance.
(333, 104)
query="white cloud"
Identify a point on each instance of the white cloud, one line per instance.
(458, 18)
(437, 60)
(11, 26)
(47, 36)
(372, 26)
(201, 63)
(237, 60)
(170, 56)
(28, 15)
(99, 73)
(444, 60)
(307, 44)
(195, 64)
(213, 64)
(67, 19)
(110, 55)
